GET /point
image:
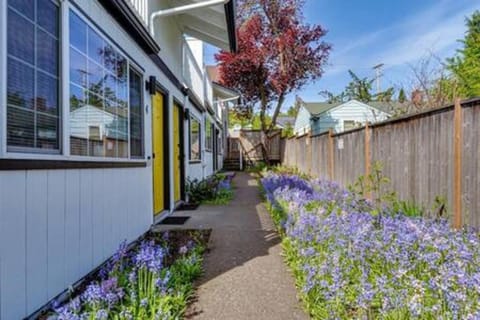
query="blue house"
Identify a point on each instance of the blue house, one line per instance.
(318, 117)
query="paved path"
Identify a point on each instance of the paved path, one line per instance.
(245, 276)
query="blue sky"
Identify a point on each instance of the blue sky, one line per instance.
(396, 33)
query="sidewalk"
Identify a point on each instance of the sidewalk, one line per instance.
(245, 277)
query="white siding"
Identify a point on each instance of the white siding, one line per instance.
(351, 110)
(56, 225)
(302, 122)
(52, 225)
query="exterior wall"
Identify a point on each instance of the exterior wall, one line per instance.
(351, 110)
(57, 225)
(302, 122)
(168, 36)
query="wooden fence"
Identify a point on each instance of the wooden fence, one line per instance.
(426, 155)
(250, 144)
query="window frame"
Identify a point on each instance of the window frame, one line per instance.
(134, 69)
(39, 153)
(194, 118)
(63, 152)
(352, 122)
(208, 138)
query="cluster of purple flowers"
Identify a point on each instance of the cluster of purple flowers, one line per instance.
(130, 283)
(354, 262)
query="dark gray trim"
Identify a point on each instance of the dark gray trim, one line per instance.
(194, 100)
(231, 27)
(131, 23)
(26, 164)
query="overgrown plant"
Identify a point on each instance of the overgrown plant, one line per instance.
(376, 187)
(216, 189)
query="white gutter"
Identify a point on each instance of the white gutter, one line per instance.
(182, 9)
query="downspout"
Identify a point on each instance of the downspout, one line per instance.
(182, 9)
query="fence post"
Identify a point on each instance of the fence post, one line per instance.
(457, 165)
(330, 155)
(367, 154)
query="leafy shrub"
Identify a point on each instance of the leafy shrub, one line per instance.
(137, 285)
(352, 262)
(216, 189)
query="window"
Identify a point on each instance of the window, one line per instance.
(33, 113)
(208, 135)
(195, 147)
(100, 79)
(136, 115)
(349, 124)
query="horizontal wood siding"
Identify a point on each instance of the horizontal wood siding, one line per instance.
(57, 225)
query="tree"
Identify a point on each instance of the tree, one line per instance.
(277, 54)
(465, 66)
(402, 97)
(359, 89)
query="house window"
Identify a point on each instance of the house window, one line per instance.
(33, 113)
(349, 124)
(208, 135)
(195, 148)
(98, 95)
(136, 114)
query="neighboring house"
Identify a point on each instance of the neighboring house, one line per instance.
(285, 122)
(318, 117)
(99, 130)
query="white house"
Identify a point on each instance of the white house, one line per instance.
(318, 117)
(106, 109)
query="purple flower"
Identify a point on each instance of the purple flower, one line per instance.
(149, 256)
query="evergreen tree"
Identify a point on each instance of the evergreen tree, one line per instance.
(465, 66)
(402, 97)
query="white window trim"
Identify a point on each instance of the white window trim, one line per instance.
(200, 151)
(63, 153)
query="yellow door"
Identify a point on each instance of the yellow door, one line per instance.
(176, 153)
(158, 154)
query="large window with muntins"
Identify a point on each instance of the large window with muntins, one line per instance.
(33, 113)
(98, 94)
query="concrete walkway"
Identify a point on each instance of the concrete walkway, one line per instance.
(245, 276)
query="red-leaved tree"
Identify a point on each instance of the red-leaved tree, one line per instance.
(277, 54)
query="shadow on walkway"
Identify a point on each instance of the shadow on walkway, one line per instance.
(245, 277)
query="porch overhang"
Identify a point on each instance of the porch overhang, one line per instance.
(212, 24)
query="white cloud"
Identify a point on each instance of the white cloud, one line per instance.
(435, 29)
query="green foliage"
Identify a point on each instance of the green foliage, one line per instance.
(281, 169)
(375, 186)
(257, 167)
(360, 89)
(216, 189)
(465, 66)
(408, 208)
(402, 97)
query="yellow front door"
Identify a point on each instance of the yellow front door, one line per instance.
(158, 154)
(177, 160)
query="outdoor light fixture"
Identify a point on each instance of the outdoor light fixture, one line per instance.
(187, 114)
(150, 85)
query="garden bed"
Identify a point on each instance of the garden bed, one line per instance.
(353, 261)
(214, 190)
(152, 279)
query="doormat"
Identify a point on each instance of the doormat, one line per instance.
(175, 220)
(188, 206)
